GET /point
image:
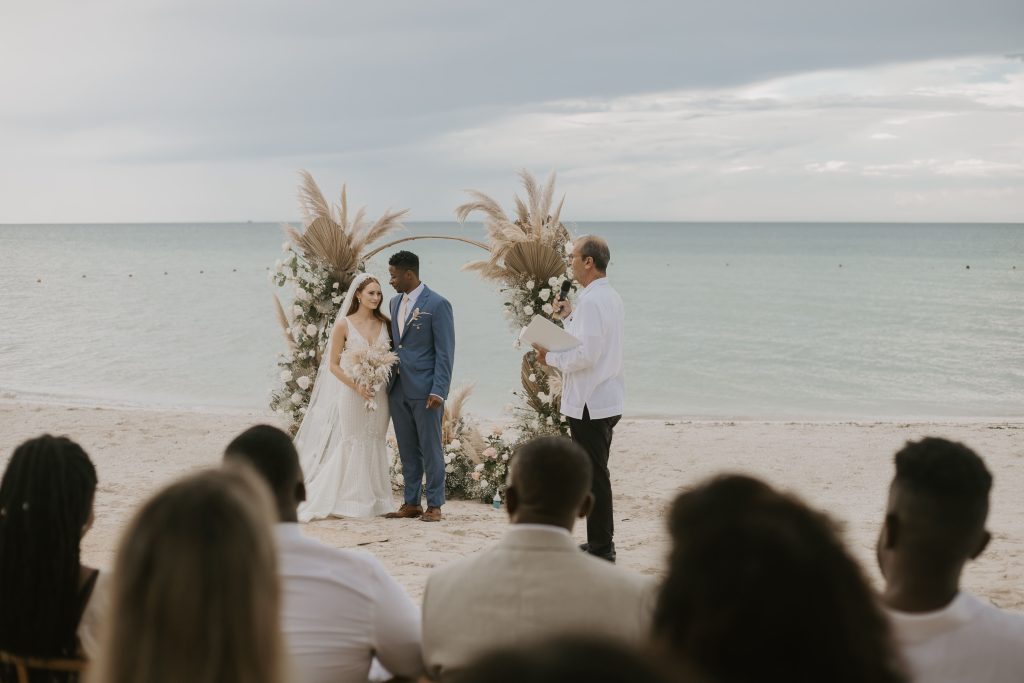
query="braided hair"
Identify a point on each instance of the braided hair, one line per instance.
(45, 501)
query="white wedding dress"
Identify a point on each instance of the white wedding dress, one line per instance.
(344, 453)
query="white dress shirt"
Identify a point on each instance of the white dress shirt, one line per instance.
(340, 609)
(968, 640)
(592, 372)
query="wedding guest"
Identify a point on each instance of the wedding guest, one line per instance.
(52, 604)
(593, 388)
(760, 588)
(563, 659)
(534, 584)
(196, 595)
(935, 524)
(341, 608)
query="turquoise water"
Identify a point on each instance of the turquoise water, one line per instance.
(772, 321)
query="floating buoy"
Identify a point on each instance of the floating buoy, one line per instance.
(234, 270)
(967, 267)
(200, 272)
(39, 280)
(165, 272)
(83, 276)
(840, 265)
(129, 274)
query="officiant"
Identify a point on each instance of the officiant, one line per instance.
(593, 385)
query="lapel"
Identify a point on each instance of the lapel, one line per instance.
(421, 303)
(395, 303)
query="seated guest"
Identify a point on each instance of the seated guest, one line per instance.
(760, 588)
(195, 594)
(50, 603)
(563, 659)
(535, 583)
(341, 608)
(934, 524)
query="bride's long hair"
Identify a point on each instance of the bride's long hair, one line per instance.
(378, 312)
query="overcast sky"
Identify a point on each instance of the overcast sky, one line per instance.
(201, 110)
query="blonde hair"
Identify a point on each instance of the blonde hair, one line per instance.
(196, 593)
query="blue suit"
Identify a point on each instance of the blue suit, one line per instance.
(426, 352)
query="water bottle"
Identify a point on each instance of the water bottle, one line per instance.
(496, 501)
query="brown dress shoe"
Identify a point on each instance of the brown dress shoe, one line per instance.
(405, 512)
(432, 515)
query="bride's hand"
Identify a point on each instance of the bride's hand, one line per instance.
(368, 394)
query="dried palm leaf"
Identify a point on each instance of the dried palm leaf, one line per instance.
(311, 199)
(453, 411)
(535, 261)
(531, 368)
(283, 319)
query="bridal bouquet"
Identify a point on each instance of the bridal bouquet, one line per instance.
(369, 367)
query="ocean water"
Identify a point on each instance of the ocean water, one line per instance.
(762, 321)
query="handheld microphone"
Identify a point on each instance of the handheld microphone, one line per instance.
(566, 286)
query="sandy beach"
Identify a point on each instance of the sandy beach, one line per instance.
(843, 468)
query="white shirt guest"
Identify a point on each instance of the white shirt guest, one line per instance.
(340, 609)
(968, 640)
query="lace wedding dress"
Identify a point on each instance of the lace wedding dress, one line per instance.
(344, 453)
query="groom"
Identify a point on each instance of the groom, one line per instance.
(423, 331)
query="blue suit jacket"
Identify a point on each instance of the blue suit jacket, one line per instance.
(426, 351)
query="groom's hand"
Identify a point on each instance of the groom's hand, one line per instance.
(434, 402)
(542, 354)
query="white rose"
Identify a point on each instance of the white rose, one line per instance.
(547, 308)
(533, 378)
(530, 284)
(296, 311)
(551, 422)
(447, 458)
(544, 294)
(504, 456)
(336, 299)
(455, 444)
(286, 375)
(296, 398)
(528, 309)
(335, 285)
(311, 330)
(479, 468)
(449, 468)
(552, 281)
(483, 482)
(543, 397)
(304, 382)
(568, 247)
(312, 353)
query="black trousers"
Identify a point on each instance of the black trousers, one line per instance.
(595, 436)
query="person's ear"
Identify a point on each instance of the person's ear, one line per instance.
(890, 532)
(982, 544)
(586, 507)
(300, 492)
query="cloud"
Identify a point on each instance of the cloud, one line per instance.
(189, 110)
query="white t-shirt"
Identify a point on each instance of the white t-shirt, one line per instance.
(341, 609)
(966, 641)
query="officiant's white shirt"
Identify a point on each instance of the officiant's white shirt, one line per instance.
(968, 640)
(592, 372)
(340, 609)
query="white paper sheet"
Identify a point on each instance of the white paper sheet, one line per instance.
(545, 333)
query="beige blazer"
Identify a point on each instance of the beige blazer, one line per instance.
(533, 584)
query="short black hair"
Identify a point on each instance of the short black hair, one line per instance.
(270, 452)
(405, 260)
(552, 474)
(951, 481)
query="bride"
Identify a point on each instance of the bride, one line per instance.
(341, 443)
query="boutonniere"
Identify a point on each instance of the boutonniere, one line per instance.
(416, 316)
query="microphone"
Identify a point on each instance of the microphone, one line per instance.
(566, 286)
